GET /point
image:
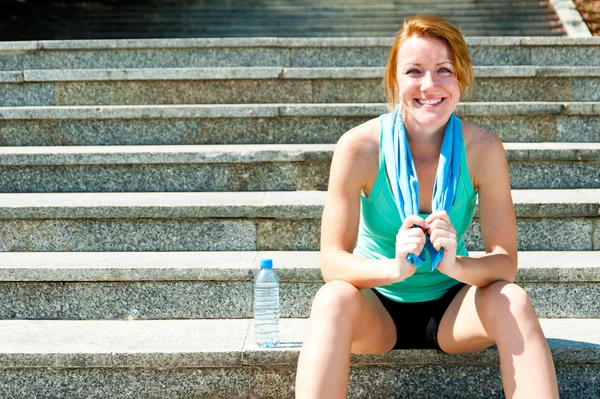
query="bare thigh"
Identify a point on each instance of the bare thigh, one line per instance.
(374, 329)
(461, 328)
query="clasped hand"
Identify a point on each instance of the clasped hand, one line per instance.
(411, 239)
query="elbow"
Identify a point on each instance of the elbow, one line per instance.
(324, 261)
(513, 261)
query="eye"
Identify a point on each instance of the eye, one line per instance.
(412, 71)
(444, 70)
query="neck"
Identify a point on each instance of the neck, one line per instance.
(425, 141)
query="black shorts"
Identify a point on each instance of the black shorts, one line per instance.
(417, 322)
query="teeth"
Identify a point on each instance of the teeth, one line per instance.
(430, 102)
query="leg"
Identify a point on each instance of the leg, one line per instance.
(502, 313)
(343, 320)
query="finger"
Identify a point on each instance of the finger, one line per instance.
(440, 224)
(412, 232)
(444, 242)
(414, 220)
(443, 215)
(414, 249)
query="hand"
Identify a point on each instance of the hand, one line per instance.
(442, 235)
(409, 240)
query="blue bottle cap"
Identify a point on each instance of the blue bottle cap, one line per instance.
(266, 263)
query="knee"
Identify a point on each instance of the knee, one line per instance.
(336, 298)
(503, 299)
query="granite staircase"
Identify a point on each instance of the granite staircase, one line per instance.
(112, 19)
(142, 180)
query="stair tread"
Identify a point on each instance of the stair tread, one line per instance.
(229, 342)
(292, 266)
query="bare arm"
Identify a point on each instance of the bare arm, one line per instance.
(496, 218)
(352, 158)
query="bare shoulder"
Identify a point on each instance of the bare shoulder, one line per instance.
(356, 155)
(484, 152)
(361, 139)
(361, 143)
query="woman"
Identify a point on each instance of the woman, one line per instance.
(460, 303)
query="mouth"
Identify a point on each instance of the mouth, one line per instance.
(430, 102)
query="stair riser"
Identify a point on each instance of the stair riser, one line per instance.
(222, 300)
(271, 130)
(176, 234)
(263, 91)
(574, 381)
(263, 176)
(375, 56)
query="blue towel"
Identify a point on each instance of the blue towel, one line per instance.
(403, 175)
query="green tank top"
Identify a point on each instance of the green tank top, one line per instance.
(380, 222)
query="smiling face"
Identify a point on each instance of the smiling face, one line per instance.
(426, 82)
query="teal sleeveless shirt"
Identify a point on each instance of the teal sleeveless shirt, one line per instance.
(380, 222)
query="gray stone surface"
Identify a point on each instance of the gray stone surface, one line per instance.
(558, 266)
(212, 52)
(218, 383)
(578, 129)
(222, 154)
(123, 343)
(298, 130)
(67, 75)
(338, 57)
(11, 77)
(260, 176)
(288, 235)
(226, 266)
(293, 130)
(521, 89)
(223, 266)
(156, 300)
(20, 94)
(555, 203)
(549, 175)
(171, 88)
(126, 235)
(168, 57)
(569, 55)
(586, 89)
(574, 234)
(565, 300)
(183, 92)
(167, 177)
(492, 55)
(518, 128)
(296, 299)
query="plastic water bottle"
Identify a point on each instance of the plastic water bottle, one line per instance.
(266, 306)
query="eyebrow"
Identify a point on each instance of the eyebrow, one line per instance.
(439, 63)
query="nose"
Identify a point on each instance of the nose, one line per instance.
(427, 82)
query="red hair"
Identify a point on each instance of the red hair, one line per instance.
(429, 26)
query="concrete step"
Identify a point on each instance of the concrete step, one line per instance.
(101, 20)
(218, 358)
(272, 123)
(275, 85)
(279, 52)
(548, 220)
(181, 285)
(262, 167)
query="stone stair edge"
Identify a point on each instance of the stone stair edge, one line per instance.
(529, 203)
(226, 266)
(248, 153)
(123, 44)
(281, 110)
(230, 343)
(257, 73)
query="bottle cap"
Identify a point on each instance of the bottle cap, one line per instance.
(266, 263)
